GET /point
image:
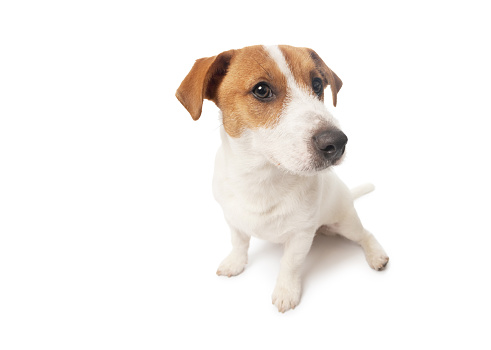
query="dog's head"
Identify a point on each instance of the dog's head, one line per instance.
(273, 98)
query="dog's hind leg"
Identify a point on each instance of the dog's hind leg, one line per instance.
(350, 227)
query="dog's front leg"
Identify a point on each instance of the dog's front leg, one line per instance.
(236, 261)
(286, 294)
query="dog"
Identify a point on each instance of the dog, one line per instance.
(273, 173)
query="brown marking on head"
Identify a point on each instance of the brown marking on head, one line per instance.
(305, 65)
(229, 79)
(202, 82)
(240, 108)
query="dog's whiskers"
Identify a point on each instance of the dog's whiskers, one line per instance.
(264, 69)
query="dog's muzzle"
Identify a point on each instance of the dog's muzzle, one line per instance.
(330, 144)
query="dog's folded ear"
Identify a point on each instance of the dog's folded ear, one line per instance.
(329, 76)
(203, 81)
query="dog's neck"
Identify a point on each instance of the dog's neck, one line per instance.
(259, 184)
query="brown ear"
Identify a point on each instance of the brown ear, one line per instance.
(330, 77)
(202, 82)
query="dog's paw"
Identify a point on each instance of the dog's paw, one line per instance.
(286, 297)
(232, 265)
(375, 254)
(378, 261)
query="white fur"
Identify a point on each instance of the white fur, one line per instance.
(287, 144)
(267, 187)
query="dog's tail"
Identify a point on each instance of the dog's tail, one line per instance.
(361, 190)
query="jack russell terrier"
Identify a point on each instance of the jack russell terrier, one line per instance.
(273, 174)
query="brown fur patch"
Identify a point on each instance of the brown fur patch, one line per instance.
(229, 78)
(240, 109)
(302, 66)
(202, 82)
(331, 77)
(306, 65)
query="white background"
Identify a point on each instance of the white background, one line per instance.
(110, 236)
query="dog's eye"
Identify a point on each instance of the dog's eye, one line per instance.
(317, 86)
(262, 91)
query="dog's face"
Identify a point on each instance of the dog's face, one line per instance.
(272, 98)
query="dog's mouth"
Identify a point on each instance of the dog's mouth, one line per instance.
(313, 166)
(313, 154)
(320, 166)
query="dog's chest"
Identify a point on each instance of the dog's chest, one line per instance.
(270, 208)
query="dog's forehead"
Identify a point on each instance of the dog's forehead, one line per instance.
(300, 63)
(287, 70)
(253, 64)
(273, 63)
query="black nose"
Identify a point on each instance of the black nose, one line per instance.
(331, 143)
